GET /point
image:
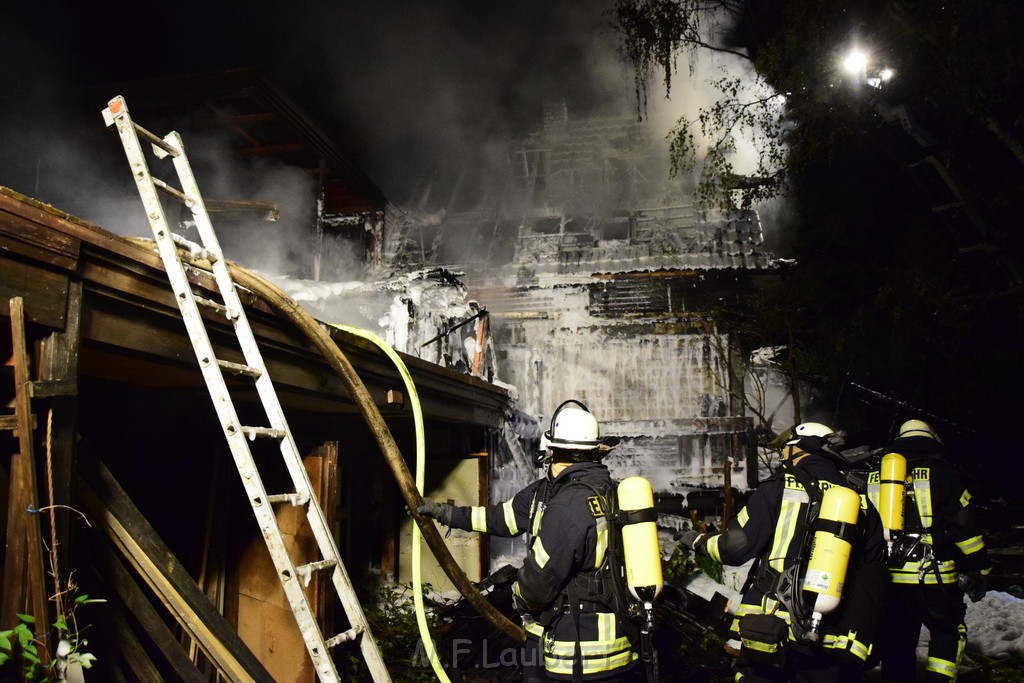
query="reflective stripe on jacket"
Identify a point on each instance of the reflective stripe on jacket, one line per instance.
(942, 537)
(568, 539)
(771, 526)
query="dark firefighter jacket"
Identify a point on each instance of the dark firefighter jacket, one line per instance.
(568, 539)
(771, 527)
(942, 534)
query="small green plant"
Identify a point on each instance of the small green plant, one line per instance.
(681, 565)
(20, 647)
(393, 622)
(20, 641)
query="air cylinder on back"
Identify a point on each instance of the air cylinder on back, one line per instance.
(892, 490)
(640, 549)
(830, 550)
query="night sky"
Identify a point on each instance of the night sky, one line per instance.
(406, 87)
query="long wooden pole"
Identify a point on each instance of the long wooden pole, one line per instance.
(24, 574)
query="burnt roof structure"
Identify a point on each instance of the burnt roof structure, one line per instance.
(263, 122)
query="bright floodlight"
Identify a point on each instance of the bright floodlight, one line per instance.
(856, 62)
(886, 74)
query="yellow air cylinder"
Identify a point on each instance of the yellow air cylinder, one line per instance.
(891, 494)
(830, 554)
(640, 549)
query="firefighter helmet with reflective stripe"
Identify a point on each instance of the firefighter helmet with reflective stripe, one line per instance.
(918, 428)
(812, 436)
(576, 429)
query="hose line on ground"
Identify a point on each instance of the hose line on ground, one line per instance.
(417, 416)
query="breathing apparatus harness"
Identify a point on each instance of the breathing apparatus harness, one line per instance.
(786, 586)
(602, 589)
(605, 587)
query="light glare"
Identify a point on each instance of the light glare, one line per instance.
(856, 62)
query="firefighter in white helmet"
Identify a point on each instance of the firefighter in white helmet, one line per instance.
(572, 633)
(938, 559)
(772, 621)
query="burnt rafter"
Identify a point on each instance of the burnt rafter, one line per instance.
(262, 121)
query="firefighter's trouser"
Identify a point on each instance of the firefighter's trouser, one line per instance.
(941, 610)
(803, 664)
(532, 662)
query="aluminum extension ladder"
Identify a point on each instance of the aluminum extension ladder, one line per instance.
(292, 576)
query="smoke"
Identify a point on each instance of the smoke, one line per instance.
(426, 96)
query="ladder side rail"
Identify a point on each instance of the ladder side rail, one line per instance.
(288, 574)
(251, 352)
(275, 414)
(318, 650)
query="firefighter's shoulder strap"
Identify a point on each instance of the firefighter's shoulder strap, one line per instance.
(783, 585)
(814, 496)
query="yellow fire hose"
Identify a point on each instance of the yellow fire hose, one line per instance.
(417, 416)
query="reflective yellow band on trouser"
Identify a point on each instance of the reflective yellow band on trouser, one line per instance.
(971, 545)
(596, 655)
(849, 643)
(944, 667)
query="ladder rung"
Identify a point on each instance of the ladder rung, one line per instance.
(306, 571)
(196, 251)
(157, 142)
(263, 433)
(295, 499)
(229, 313)
(173, 192)
(345, 637)
(239, 369)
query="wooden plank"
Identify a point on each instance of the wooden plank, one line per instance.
(38, 242)
(26, 210)
(59, 367)
(326, 486)
(24, 574)
(113, 511)
(44, 291)
(131, 650)
(111, 570)
(265, 619)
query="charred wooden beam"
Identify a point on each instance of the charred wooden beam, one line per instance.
(59, 372)
(113, 511)
(138, 610)
(242, 209)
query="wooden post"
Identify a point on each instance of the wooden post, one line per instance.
(59, 373)
(727, 501)
(481, 340)
(24, 574)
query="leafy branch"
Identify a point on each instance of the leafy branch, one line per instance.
(740, 114)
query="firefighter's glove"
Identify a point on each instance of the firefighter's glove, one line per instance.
(442, 512)
(691, 539)
(973, 585)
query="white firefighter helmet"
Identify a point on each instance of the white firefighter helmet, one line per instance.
(918, 428)
(811, 436)
(576, 429)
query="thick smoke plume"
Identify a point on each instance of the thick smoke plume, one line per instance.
(426, 96)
